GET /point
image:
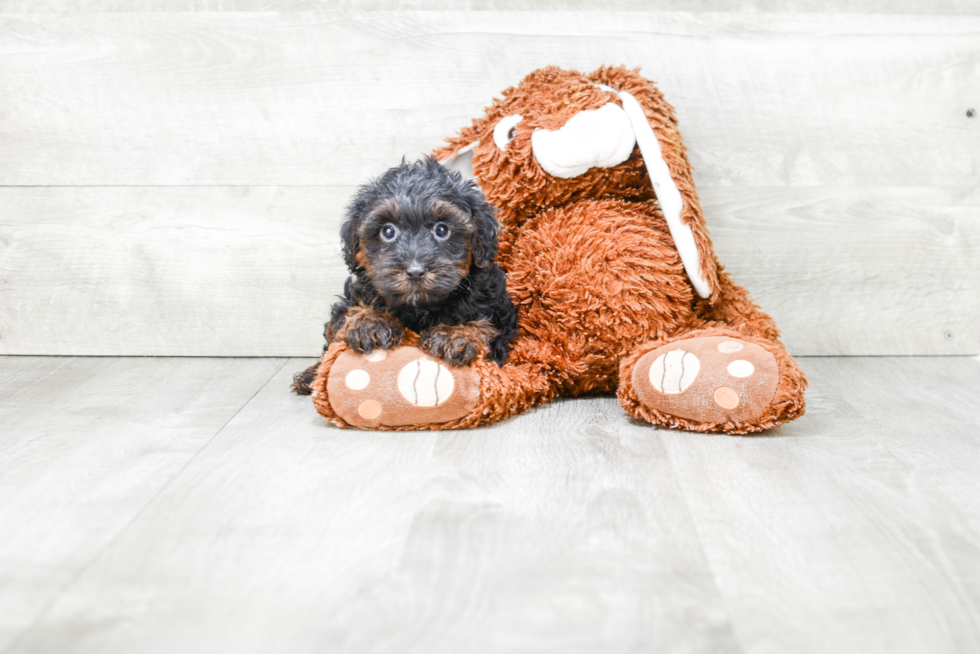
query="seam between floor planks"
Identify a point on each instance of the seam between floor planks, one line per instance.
(62, 364)
(705, 554)
(138, 513)
(833, 431)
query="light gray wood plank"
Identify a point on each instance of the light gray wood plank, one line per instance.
(169, 271)
(856, 528)
(333, 97)
(563, 531)
(569, 529)
(232, 271)
(934, 7)
(85, 444)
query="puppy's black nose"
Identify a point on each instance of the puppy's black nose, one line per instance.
(415, 270)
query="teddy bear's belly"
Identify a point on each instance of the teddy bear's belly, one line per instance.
(598, 277)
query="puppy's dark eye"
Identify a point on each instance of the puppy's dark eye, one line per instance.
(441, 230)
(389, 232)
(512, 133)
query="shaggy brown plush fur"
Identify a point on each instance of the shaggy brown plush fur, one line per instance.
(592, 266)
(785, 405)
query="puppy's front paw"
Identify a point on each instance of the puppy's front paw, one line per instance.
(457, 345)
(371, 333)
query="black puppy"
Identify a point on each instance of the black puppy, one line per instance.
(420, 244)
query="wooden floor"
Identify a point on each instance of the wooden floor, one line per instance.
(194, 505)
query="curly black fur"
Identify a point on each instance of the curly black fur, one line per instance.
(419, 275)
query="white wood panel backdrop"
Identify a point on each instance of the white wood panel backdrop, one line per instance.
(173, 181)
(932, 7)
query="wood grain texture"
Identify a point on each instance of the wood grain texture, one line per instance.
(333, 97)
(857, 271)
(569, 529)
(931, 7)
(832, 150)
(169, 271)
(245, 271)
(85, 446)
(565, 532)
(854, 529)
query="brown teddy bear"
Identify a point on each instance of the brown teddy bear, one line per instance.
(610, 263)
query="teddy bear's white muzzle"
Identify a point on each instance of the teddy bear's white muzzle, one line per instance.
(599, 138)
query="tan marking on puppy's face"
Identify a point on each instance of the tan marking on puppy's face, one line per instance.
(416, 250)
(459, 220)
(363, 260)
(466, 263)
(443, 210)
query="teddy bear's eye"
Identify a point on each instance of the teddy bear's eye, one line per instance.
(441, 230)
(389, 232)
(505, 130)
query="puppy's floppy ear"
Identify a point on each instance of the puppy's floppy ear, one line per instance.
(350, 240)
(483, 243)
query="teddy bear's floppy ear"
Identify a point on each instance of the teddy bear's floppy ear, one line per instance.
(659, 140)
(458, 153)
(462, 161)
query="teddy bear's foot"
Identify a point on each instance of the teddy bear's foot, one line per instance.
(398, 388)
(715, 383)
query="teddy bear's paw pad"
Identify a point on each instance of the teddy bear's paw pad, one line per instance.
(398, 388)
(711, 379)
